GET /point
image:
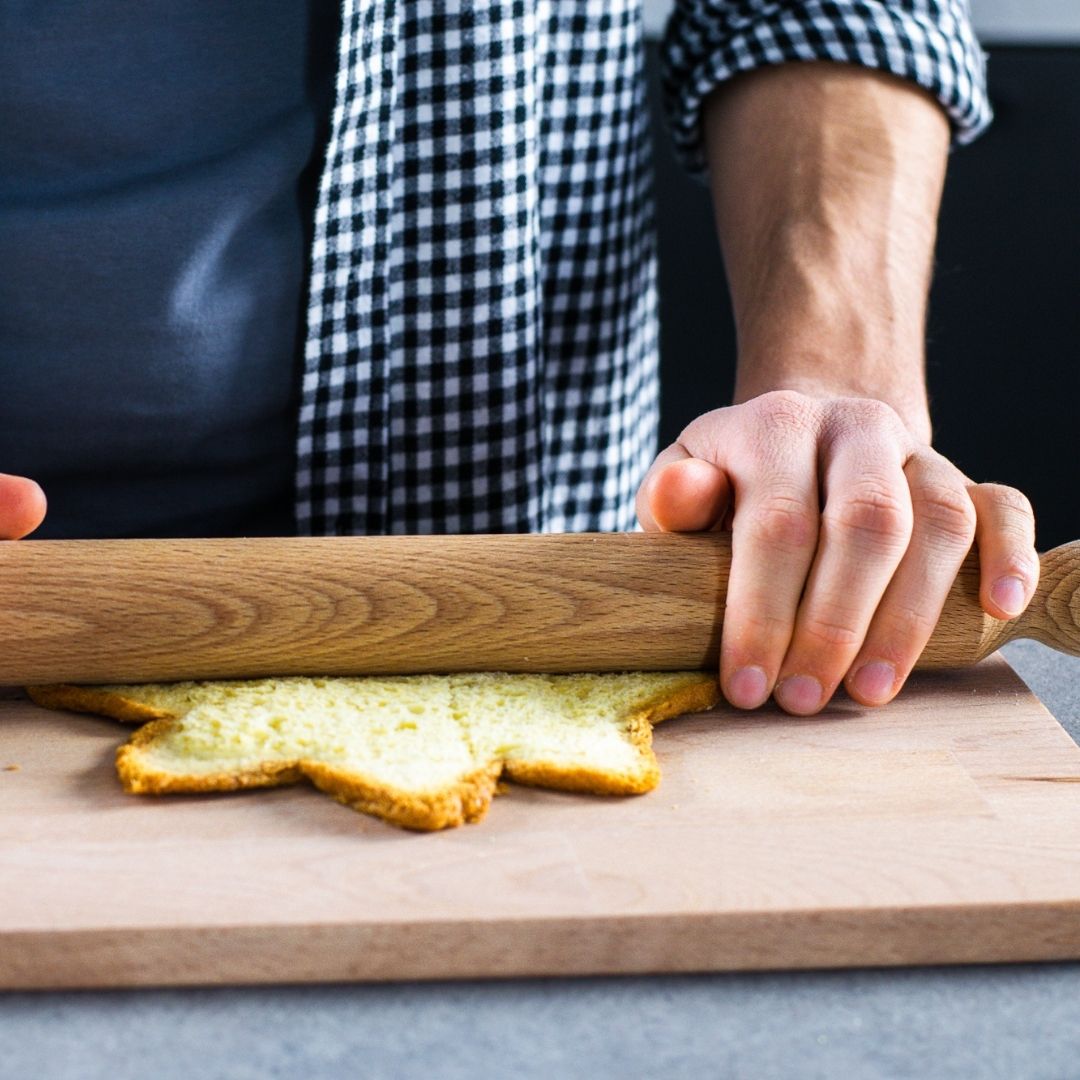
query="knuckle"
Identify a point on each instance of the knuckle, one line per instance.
(873, 513)
(783, 521)
(948, 513)
(908, 628)
(856, 417)
(1010, 548)
(830, 632)
(703, 436)
(760, 626)
(787, 410)
(1010, 499)
(1008, 538)
(1021, 564)
(875, 413)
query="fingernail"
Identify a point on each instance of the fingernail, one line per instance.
(1009, 594)
(748, 688)
(800, 694)
(875, 681)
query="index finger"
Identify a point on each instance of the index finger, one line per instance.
(774, 537)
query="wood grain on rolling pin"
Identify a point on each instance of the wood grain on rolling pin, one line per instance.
(146, 610)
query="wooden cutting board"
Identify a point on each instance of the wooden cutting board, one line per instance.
(944, 828)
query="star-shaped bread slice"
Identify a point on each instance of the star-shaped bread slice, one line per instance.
(420, 751)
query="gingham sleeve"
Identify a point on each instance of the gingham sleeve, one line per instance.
(930, 42)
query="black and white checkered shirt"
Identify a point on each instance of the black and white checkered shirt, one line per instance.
(482, 323)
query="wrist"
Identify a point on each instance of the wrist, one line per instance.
(818, 374)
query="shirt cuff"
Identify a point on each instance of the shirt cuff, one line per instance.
(930, 42)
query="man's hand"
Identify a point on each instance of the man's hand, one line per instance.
(848, 529)
(22, 506)
(847, 533)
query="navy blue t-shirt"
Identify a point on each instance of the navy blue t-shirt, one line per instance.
(158, 166)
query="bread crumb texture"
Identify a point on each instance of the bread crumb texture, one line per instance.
(420, 751)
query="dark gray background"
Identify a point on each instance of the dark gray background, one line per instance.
(1004, 355)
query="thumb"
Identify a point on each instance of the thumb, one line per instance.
(22, 506)
(682, 493)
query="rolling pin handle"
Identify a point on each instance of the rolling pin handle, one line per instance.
(1053, 616)
(966, 634)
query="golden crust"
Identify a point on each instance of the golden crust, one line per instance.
(549, 774)
(696, 697)
(464, 802)
(93, 699)
(139, 778)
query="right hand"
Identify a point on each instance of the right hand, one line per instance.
(22, 506)
(847, 533)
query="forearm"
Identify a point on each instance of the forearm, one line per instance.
(848, 528)
(826, 181)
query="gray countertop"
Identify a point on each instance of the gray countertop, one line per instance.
(970, 1023)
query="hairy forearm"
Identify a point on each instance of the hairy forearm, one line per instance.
(826, 181)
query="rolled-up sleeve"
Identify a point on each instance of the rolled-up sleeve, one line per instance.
(930, 42)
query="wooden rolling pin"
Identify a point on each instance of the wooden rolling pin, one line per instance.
(150, 610)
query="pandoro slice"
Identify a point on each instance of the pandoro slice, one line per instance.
(420, 751)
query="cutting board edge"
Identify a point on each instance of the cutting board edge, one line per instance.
(648, 944)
